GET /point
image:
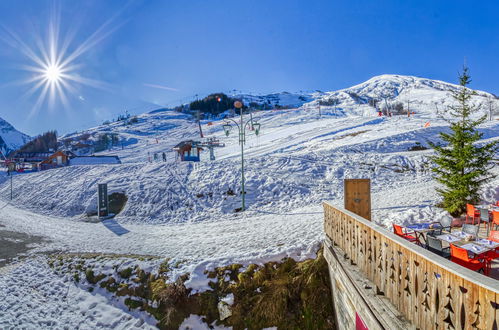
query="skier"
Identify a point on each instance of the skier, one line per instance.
(164, 156)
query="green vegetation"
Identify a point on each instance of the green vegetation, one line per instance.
(42, 143)
(213, 104)
(106, 141)
(461, 165)
(286, 294)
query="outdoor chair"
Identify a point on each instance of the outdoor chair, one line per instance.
(460, 256)
(435, 245)
(473, 213)
(445, 225)
(470, 229)
(484, 217)
(494, 236)
(399, 231)
(494, 254)
(495, 218)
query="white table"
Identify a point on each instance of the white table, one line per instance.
(449, 238)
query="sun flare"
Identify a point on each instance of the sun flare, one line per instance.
(53, 73)
(55, 62)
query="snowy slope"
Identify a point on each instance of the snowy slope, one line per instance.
(431, 97)
(10, 138)
(186, 211)
(296, 161)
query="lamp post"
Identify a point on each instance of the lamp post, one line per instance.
(241, 126)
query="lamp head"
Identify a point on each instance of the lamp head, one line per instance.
(256, 127)
(227, 129)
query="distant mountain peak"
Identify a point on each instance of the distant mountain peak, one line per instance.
(10, 138)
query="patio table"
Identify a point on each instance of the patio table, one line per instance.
(420, 230)
(487, 243)
(460, 234)
(449, 238)
(475, 248)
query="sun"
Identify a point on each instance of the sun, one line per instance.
(54, 62)
(53, 73)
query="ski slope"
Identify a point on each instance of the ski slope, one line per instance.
(184, 211)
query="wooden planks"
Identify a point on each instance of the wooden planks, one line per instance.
(358, 197)
(428, 290)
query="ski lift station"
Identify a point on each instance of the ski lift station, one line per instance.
(190, 150)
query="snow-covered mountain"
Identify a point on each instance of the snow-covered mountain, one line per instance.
(422, 95)
(10, 138)
(385, 91)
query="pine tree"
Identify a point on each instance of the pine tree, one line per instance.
(462, 165)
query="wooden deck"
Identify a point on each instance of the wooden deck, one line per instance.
(494, 272)
(428, 290)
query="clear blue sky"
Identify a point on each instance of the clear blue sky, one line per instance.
(201, 46)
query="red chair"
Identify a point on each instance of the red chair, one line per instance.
(399, 231)
(494, 254)
(495, 218)
(494, 236)
(473, 213)
(460, 256)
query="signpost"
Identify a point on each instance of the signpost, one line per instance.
(103, 204)
(358, 197)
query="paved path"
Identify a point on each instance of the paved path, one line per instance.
(14, 244)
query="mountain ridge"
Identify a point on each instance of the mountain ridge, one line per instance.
(10, 138)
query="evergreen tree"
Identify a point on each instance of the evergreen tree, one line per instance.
(462, 166)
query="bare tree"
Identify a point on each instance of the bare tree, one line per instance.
(491, 106)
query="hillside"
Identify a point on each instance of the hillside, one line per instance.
(187, 214)
(10, 138)
(299, 159)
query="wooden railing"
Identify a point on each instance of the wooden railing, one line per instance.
(430, 291)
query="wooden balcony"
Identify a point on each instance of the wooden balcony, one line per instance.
(428, 291)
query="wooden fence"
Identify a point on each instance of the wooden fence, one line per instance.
(430, 291)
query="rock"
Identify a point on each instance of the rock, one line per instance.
(224, 310)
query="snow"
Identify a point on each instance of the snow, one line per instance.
(228, 299)
(33, 297)
(10, 138)
(186, 211)
(93, 160)
(195, 322)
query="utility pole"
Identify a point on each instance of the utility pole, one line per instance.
(10, 174)
(408, 112)
(198, 114)
(241, 142)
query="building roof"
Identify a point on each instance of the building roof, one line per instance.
(94, 160)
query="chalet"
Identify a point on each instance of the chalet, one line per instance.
(57, 159)
(188, 151)
(94, 160)
(30, 157)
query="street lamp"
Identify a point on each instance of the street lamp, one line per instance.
(241, 126)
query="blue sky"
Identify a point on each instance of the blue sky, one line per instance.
(260, 46)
